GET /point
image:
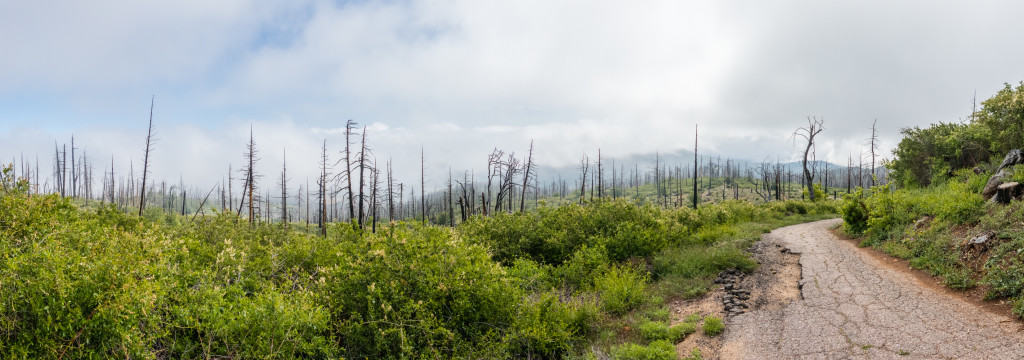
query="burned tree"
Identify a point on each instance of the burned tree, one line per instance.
(284, 187)
(363, 152)
(375, 187)
(145, 161)
(873, 146)
(813, 128)
(249, 188)
(322, 199)
(695, 175)
(527, 171)
(584, 165)
(423, 186)
(391, 193)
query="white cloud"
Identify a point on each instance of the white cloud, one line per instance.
(459, 78)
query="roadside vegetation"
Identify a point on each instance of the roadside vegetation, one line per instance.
(933, 213)
(569, 281)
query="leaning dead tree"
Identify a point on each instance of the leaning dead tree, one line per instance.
(813, 128)
(527, 172)
(145, 161)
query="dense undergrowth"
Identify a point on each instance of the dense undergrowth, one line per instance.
(933, 227)
(562, 282)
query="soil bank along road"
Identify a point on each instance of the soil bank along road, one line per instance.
(850, 306)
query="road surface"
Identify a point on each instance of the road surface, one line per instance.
(853, 307)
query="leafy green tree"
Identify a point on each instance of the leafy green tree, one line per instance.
(1003, 116)
(925, 153)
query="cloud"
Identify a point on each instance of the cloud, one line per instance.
(459, 78)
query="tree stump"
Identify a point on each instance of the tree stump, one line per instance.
(1008, 191)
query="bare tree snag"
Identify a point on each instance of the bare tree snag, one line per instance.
(814, 127)
(322, 184)
(373, 193)
(284, 187)
(349, 126)
(423, 186)
(362, 167)
(584, 165)
(874, 147)
(526, 177)
(695, 170)
(391, 194)
(145, 161)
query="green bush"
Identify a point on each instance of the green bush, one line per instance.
(658, 330)
(531, 276)
(407, 293)
(657, 350)
(855, 213)
(713, 326)
(621, 289)
(681, 330)
(694, 262)
(98, 282)
(586, 264)
(653, 330)
(544, 328)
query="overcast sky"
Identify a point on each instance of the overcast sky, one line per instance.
(459, 78)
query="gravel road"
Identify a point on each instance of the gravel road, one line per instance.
(853, 307)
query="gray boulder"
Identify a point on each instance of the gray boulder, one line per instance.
(1014, 157)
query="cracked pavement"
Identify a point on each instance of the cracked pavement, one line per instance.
(852, 307)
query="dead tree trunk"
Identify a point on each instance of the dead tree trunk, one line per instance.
(695, 170)
(362, 167)
(423, 186)
(349, 126)
(284, 187)
(322, 184)
(814, 127)
(874, 147)
(584, 165)
(526, 178)
(145, 161)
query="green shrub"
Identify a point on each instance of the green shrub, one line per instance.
(855, 213)
(819, 194)
(653, 330)
(679, 331)
(544, 328)
(659, 330)
(658, 314)
(657, 350)
(621, 289)
(407, 293)
(695, 262)
(531, 276)
(713, 326)
(1018, 306)
(586, 264)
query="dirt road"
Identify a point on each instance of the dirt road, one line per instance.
(852, 307)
